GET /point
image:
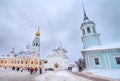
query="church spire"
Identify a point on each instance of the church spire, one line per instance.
(85, 16)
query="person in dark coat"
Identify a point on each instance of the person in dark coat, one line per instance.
(80, 69)
(40, 71)
(21, 70)
(31, 70)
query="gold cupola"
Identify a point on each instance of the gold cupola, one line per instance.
(38, 32)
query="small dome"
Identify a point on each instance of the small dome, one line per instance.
(38, 33)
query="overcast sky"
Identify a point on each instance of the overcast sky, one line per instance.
(59, 20)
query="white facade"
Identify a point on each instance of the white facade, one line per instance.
(58, 59)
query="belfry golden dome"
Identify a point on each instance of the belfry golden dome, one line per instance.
(38, 33)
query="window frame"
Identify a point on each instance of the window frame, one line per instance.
(83, 31)
(98, 60)
(88, 30)
(94, 31)
(116, 55)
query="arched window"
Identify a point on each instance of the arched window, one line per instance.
(18, 62)
(40, 63)
(2, 61)
(26, 62)
(83, 32)
(36, 44)
(32, 62)
(5, 61)
(88, 30)
(21, 62)
(93, 30)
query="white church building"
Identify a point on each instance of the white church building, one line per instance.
(58, 59)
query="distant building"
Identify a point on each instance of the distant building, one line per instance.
(30, 57)
(98, 56)
(3, 60)
(58, 59)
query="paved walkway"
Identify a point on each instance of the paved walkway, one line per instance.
(92, 76)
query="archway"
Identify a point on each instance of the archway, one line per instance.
(56, 65)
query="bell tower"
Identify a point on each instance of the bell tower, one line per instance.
(36, 42)
(89, 34)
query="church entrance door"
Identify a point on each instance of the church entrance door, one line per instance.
(56, 65)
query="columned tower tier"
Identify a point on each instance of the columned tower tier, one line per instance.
(89, 34)
(36, 43)
(89, 41)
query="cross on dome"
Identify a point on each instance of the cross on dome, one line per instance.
(85, 16)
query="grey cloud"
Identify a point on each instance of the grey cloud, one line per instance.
(58, 20)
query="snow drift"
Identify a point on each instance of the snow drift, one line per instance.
(59, 76)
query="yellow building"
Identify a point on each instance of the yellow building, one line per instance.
(3, 60)
(28, 58)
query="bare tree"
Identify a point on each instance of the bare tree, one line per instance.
(81, 64)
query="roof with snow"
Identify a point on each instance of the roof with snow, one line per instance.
(58, 55)
(104, 47)
(60, 49)
(24, 52)
(59, 52)
(3, 56)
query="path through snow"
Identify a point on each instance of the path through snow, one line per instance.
(59, 76)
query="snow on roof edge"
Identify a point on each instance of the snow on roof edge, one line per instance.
(104, 47)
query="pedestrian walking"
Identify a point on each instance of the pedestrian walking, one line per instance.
(21, 70)
(40, 71)
(31, 70)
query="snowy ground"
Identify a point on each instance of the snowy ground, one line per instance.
(59, 76)
(107, 73)
(9, 72)
(13, 75)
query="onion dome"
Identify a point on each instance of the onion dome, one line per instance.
(38, 32)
